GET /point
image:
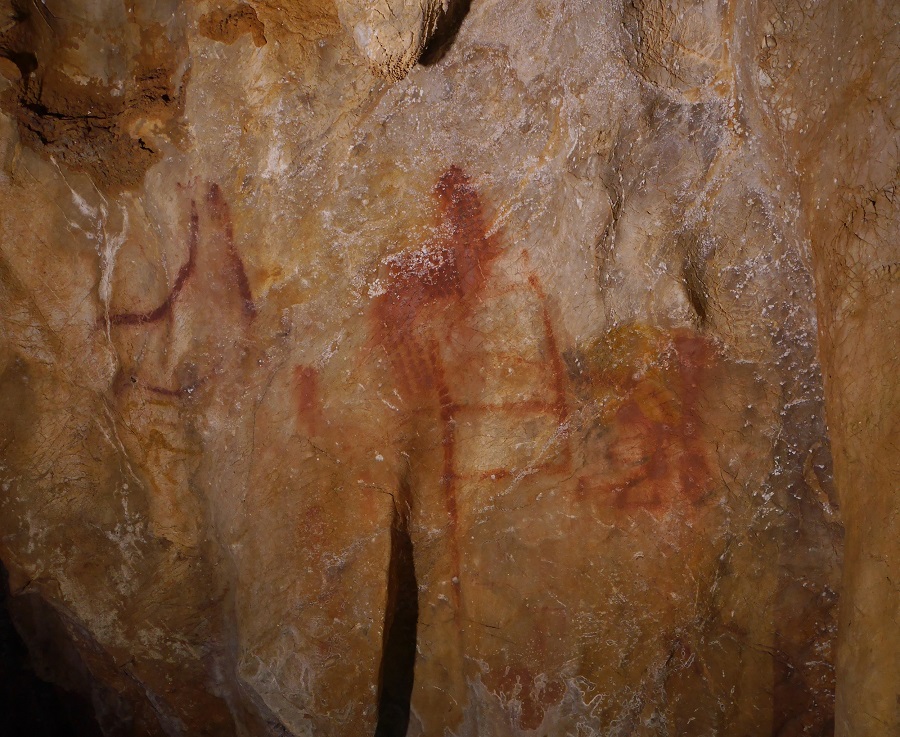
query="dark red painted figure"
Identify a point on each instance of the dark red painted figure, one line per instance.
(219, 216)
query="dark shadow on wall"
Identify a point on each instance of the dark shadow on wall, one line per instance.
(445, 33)
(30, 707)
(398, 655)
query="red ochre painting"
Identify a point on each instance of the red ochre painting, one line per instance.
(647, 449)
(622, 433)
(224, 271)
(644, 383)
(620, 425)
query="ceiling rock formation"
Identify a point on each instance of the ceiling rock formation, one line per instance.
(391, 35)
(490, 368)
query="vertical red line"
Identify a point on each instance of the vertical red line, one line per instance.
(694, 473)
(560, 406)
(448, 470)
(222, 212)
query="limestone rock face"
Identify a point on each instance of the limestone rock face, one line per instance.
(496, 368)
(391, 34)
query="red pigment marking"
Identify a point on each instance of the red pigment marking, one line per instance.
(221, 212)
(452, 270)
(448, 471)
(178, 392)
(561, 407)
(429, 293)
(306, 393)
(125, 381)
(184, 273)
(643, 452)
(462, 210)
(648, 441)
(693, 361)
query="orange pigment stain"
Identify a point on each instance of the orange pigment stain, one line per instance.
(655, 454)
(307, 399)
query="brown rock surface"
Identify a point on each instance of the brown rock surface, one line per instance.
(547, 386)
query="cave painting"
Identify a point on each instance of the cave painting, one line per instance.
(170, 354)
(432, 321)
(468, 342)
(210, 291)
(467, 339)
(646, 450)
(471, 346)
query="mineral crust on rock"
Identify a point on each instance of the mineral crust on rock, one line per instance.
(391, 34)
(491, 368)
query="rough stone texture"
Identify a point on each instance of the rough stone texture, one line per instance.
(486, 399)
(391, 34)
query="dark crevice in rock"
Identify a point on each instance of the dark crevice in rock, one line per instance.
(693, 272)
(445, 34)
(29, 705)
(25, 61)
(398, 655)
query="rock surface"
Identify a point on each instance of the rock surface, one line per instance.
(406, 368)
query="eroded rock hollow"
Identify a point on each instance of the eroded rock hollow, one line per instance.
(450, 368)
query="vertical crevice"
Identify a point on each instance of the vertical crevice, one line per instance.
(30, 705)
(445, 34)
(693, 273)
(398, 655)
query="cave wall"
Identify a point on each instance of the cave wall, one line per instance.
(497, 368)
